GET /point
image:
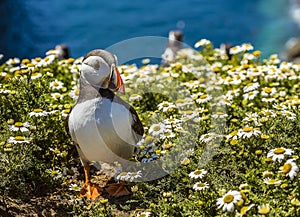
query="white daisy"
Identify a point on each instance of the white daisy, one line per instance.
(131, 176)
(235, 50)
(157, 129)
(57, 96)
(199, 186)
(251, 117)
(268, 91)
(35, 75)
(219, 115)
(247, 132)
(270, 181)
(135, 97)
(189, 114)
(74, 187)
(56, 85)
(279, 153)
(204, 98)
(279, 106)
(289, 115)
(74, 93)
(250, 87)
(38, 113)
(290, 168)
(202, 42)
(208, 137)
(268, 113)
(247, 47)
(228, 201)
(167, 134)
(197, 174)
(166, 106)
(18, 139)
(250, 95)
(144, 214)
(13, 61)
(19, 126)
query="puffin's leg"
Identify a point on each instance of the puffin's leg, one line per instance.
(117, 189)
(90, 190)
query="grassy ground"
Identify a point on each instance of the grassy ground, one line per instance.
(225, 131)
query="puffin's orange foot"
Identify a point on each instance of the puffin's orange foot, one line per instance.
(90, 190)
(117, 189)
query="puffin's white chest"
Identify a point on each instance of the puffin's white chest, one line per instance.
(102, 129)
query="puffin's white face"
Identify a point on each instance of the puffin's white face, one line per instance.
(96, 71)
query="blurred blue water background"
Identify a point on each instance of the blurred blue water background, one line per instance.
(31, 27)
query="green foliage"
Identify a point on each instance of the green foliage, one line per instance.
(236, 118)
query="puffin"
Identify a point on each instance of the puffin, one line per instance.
(103, 127)
(175, 41)
(63, 51)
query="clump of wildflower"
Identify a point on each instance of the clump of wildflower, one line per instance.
(129, 176)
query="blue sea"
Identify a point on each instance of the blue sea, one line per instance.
(31, 27)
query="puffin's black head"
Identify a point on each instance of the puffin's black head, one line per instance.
(99, 69)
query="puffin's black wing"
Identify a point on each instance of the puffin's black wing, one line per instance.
(137, 125)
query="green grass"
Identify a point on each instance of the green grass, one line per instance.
(208, 120)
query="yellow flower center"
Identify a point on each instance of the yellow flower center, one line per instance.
(123, 174)
(156, 128)
(165, 104)
(201, 185)
(247, 129)
(19, 138)
(273, 181)
(264, 136)
(55, 84)
(204, 96)
(234, 133)
(286, 168)
(279, 151)
(18, 124)
(257, 53)
(234, 142)
(268, 113)
(189, 112)
(250, 84)
(167, 133)
(198, 172)
(264, 210)
(268, 90)
(228, 198)
(37, 110)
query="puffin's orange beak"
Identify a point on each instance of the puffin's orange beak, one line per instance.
(119, 82)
